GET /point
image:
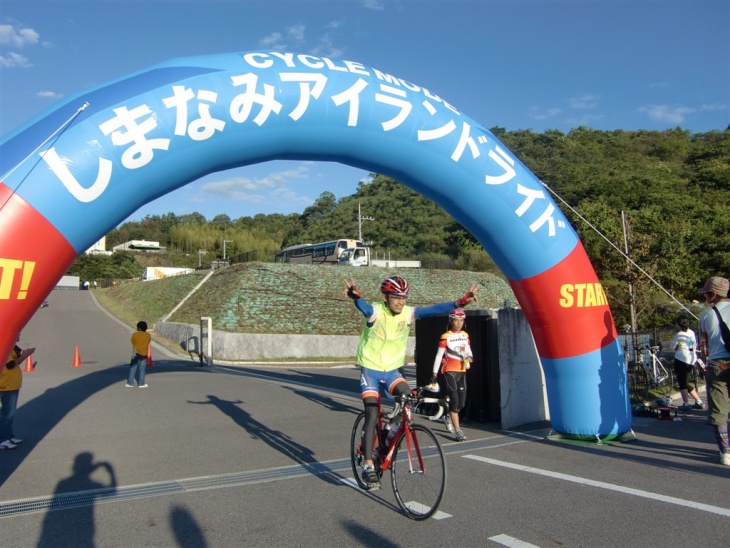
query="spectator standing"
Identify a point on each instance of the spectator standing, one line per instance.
(715, 291)
(11, 379)
(140, 348)
(684, 344)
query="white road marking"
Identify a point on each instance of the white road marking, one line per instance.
(422, 508)
(506, 540)
(602, 485)
(438, 515)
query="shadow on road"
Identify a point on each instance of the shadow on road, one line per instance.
(43, 413)
(273, 438)
(77, 526)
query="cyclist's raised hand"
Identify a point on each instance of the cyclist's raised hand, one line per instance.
(351, 290)
(470, 296)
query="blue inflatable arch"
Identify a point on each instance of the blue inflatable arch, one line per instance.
(77, 171)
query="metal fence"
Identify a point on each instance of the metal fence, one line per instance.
(658, 336)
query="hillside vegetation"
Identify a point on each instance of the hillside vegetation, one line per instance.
(288, 298)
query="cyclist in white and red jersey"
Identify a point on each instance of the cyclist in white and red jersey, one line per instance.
(453, 358)
(382, 349)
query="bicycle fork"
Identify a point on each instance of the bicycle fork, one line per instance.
(412, 442)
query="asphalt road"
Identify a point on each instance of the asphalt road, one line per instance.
(242, 456)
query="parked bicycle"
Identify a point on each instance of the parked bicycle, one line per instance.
(410, 451)
(651, 374)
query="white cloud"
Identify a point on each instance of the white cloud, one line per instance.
(667, 114)
(334, 25)
(583, 102)
(273, 41)
(543, 114)
(713, 107)
(325, 48)
(18, 37)
(13, 60)
(293, 38)
(373, 5)
(274, 185)
(296, 32)
(49, 95)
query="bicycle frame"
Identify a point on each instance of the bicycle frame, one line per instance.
(656, 371)
(404, 409)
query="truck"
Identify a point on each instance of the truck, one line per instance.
(157, 272)
(360, 256)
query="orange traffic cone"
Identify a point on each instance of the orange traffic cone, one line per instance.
(77, 359)
(149, 356)
(29, 365)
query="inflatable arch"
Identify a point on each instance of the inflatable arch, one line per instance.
(78, 170)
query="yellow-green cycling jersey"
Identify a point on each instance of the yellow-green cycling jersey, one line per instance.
(383, 344)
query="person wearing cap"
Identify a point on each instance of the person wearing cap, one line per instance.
(381, 351)
(684, 344)
(715, 291)
(453, 358)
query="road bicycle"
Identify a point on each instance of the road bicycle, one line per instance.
(651, 375)
(413, 455)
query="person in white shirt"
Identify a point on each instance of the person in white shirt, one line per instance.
(684, 344)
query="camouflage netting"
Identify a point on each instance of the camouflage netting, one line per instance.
(302, 299)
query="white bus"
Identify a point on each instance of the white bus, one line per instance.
(320, 253)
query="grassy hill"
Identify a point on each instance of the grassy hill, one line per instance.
(286, 298)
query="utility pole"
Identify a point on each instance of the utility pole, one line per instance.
(200, 252)
(224, 247)
(360, 219)
(632, 300)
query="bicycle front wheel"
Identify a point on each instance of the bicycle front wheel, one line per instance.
(357, 456)
(418, 473)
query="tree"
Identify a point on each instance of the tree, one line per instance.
(326, 203)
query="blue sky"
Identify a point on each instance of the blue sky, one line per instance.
(517, 64)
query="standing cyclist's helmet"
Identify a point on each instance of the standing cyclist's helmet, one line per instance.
(457, 314)
(395, 285)
(683, 321)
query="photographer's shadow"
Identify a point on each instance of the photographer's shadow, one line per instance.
(78, 493)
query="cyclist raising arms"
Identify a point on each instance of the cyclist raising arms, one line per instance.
(382, 348)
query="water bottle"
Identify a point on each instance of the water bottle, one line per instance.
(391, 434)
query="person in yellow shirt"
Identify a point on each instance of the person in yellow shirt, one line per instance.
(138, 366)
(381, 351)
(11, 379)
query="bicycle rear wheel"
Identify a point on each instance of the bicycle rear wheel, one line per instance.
(357, 457)
(418, 473)
(666, 387)
(639, 387)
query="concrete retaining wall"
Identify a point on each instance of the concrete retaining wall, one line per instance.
(523, 397)
(255, 346)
